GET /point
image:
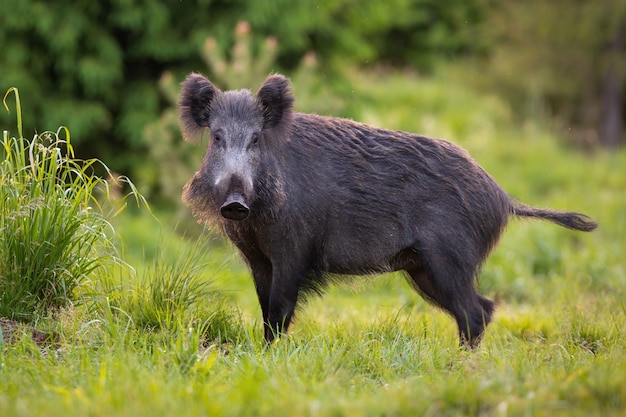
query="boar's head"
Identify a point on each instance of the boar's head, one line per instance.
(244, 131)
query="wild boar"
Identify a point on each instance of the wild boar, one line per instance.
(307, 198)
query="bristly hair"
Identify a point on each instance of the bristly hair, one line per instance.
(235, 104)
(275, 99)
(570, 220)
(194, 104)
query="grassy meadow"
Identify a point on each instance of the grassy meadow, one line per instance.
(171, 326)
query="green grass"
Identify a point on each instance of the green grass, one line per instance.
(373, 347)
(53, 232)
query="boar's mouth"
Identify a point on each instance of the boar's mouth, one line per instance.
(235, 208)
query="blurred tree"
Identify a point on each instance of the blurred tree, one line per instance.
(563, 59)
(406, 32)
(244, 69)
(93, 65)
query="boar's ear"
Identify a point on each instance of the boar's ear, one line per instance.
(194, 105)
(275, 99)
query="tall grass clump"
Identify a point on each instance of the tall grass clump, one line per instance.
(53, 230)
(172, 294)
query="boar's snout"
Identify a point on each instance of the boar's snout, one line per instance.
(235, 207)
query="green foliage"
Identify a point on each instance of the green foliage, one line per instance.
(93, 65)
(171, 162)
(556, 60)
(415, 32)
(53, 231)
(244, 69)
(172, 293)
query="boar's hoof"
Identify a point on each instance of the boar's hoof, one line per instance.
(235, 208)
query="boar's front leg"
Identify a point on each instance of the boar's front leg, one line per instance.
(262, 275)
(286, 283)
(277, 286)
(261, 269)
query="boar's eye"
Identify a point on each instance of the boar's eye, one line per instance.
(255, 138)
(217, 136)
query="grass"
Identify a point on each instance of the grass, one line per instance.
(372, 347)
(171, 293)
(52, 229)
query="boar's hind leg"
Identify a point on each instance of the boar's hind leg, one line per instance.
(456, 295)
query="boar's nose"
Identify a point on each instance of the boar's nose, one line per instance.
(235, 207)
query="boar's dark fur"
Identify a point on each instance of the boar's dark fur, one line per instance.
(306, 198)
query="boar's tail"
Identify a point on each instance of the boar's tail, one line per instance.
(571, 220)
